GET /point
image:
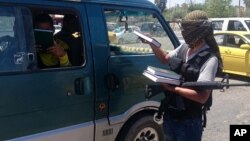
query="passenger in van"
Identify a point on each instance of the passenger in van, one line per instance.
(70, 38)
(54, 55)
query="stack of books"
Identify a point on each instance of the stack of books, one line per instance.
(162, 75)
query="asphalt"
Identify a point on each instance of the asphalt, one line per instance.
(231, 107)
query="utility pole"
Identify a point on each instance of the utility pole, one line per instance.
(239, 10)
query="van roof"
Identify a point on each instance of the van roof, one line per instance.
(140, 3)
(136, 1)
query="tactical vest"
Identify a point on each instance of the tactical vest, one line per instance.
(180, 107)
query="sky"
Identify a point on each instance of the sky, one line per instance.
(171, 3)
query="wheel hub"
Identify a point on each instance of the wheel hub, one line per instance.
(147, 134)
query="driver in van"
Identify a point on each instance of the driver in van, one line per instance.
(55, 55)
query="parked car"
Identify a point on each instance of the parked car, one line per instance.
(235, 51)
(111, 26)
(126, 36)
(231, 24)
(152, 29)
(121, 29)
(112, 36)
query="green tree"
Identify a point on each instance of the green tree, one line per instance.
(196, 7)
(247, 3)
(175, 13)
(178, 12)
(247, 11)
(219, 8)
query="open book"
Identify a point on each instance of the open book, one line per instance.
(147, 38)
(162, 76)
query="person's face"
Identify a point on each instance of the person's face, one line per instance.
(45, 26)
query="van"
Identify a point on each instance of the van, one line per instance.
(230, 24)
(100, 96)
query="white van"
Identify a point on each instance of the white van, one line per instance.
(231, 24)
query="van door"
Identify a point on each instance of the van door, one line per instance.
(128, 60)
(57, 103)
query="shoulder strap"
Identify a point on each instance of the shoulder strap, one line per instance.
(182, 52)
(176, 63)
(202, 57)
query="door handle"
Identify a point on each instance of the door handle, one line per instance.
(79, 88)
(228, 51)
(112, 82)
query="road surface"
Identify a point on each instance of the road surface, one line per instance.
(229, 107)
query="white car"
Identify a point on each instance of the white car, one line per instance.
(126, 36)
(231, 24)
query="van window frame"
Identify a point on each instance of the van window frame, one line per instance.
(52, 9)
(23, 49)
(169, 33)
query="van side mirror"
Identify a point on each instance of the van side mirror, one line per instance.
(123, 18)
(245, 46)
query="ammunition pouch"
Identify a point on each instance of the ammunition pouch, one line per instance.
(189, 72)
(175, 64)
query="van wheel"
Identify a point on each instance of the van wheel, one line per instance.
(143, 129)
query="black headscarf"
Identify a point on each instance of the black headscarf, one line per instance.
(195, 27)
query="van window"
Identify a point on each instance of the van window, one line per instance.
(59, 44)
(14, 51)
(122, 39)
(22, 42)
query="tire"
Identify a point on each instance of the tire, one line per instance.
(143, 129)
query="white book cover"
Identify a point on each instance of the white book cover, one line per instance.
(163, 72)
(147, 38)
(160, 79)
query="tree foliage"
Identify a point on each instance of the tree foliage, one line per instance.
(219, 8)
(247, 3)
(195, 7)
(214, 8)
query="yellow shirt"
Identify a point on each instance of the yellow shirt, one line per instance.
(50, 60)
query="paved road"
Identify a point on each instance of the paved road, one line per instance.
(229, 107)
